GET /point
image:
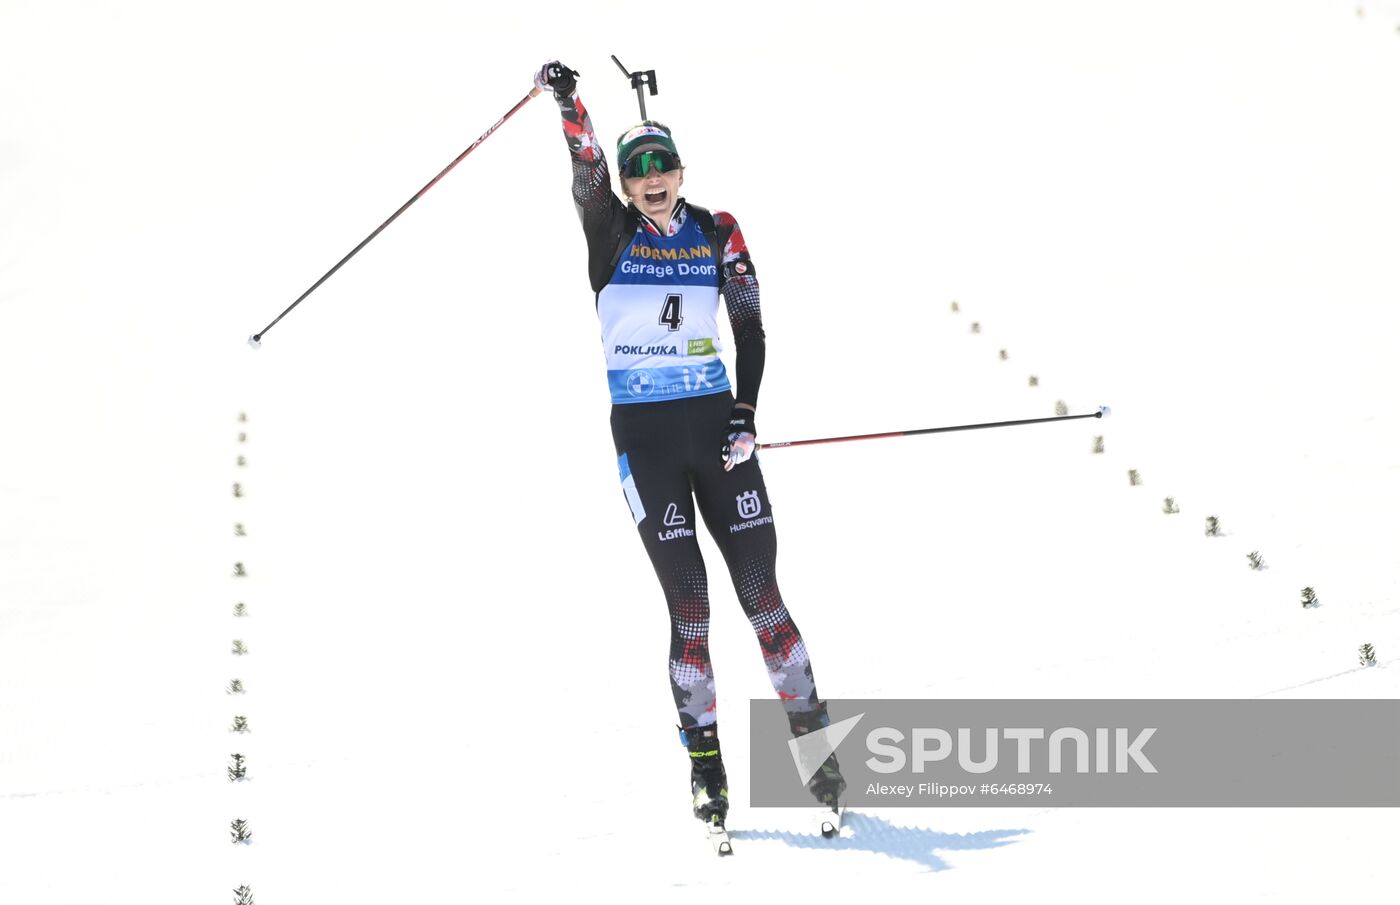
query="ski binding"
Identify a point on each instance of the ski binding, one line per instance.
(830, 822)
(719, 837)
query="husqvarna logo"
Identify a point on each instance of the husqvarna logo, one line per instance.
(749, 508)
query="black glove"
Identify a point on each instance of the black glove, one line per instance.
(556, 77)
(739, 437)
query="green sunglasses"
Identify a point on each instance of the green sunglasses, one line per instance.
(639, 165)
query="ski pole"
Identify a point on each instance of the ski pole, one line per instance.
(1103, 410)
(256, 339)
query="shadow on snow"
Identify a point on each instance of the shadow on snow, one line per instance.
(874, 834)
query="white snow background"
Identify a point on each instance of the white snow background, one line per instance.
(456, 681)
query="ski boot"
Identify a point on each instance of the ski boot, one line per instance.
(708, 786)
(826, 785)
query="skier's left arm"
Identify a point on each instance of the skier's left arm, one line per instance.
(739, 285)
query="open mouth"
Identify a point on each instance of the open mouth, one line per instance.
(655, 197)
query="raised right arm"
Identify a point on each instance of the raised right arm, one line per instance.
(603, 215)
(593, 195)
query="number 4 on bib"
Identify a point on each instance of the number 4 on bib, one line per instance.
(671, 312)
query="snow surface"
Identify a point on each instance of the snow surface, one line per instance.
(456, 680)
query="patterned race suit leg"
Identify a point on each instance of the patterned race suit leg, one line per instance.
(667, 461)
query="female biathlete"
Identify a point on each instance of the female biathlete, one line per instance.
(684, 440)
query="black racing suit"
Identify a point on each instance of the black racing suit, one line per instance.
(672, 400)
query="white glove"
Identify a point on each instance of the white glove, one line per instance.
(741, 439)
(738, 450)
